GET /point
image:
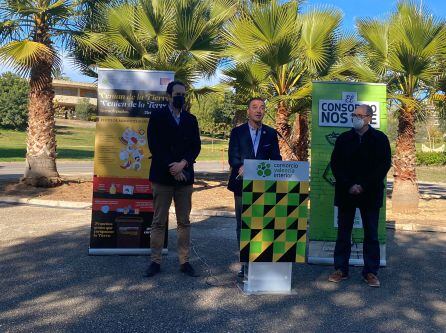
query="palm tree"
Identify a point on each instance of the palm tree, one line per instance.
(181, 36)
(27, 29)
(274, 51)
(406, 52)
(31, 32)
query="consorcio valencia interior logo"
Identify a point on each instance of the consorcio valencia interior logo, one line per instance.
(264, 169)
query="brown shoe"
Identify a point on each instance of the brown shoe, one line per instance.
(337, 276)
(372, 280)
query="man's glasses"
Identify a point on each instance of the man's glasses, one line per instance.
(359, 116)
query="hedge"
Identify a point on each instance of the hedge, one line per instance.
(431, 158)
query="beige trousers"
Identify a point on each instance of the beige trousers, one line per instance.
(162, 199)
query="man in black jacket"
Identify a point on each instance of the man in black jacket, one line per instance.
(174, 141)
(360, 161)
(252, 140)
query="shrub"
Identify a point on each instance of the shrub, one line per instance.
(431, 158)
(84, 110)
(62, 111)
(13, 101)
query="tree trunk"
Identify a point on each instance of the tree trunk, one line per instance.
(41, 168)
(239, 117)
(405, 195)
(300, 138)
(284, 129)
(295, 136)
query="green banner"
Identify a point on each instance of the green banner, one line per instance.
(333, 103)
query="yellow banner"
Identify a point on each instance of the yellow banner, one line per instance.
(121, 148)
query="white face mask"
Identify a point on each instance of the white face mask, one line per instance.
(358, 123)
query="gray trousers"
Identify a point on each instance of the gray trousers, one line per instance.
(238, 215)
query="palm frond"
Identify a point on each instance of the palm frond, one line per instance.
(8, 30)
(155, 24)
(221, 10)
(91, 42)
(60, 9)
(24, 55)
(111, 62)
(376, 35)
(248, 79)
(319, 27)
(409, 102)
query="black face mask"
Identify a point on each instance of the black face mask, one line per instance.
(178, 102)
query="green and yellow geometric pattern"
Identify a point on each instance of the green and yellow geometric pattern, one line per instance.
(274, 221)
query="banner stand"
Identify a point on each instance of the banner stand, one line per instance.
(321, 253)
(268, 278)
(273, 234)
(122, 203)
(332, 106)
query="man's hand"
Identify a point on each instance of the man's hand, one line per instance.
(356, 189)
(180, 177)
(177, 167)
(240, 171)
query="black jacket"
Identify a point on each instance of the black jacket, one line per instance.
(241, 148)
(364, 161)
(170, 142)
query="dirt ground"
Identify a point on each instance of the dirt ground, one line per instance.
(209, 195)
(71, 190)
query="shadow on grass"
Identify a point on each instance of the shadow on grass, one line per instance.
(210, 180)
(65, 130)
(70, 130)
(62, 153)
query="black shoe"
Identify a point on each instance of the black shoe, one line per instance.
(241, 272)
(153, 269)
(187, 269)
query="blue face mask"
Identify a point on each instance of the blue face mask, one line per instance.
(178, 102)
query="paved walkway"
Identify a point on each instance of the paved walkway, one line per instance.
(50, 284)
(14, 170)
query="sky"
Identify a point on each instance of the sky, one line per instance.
(352, 10)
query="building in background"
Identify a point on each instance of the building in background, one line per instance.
(68, 94)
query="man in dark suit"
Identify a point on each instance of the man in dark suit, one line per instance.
(252, 140)
(360, 161)
(174, 141)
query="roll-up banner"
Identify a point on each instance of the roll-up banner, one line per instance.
(333, 104)
(122, 208)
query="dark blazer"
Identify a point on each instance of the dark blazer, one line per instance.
(170, 142)
(364, 161)
(241, 148)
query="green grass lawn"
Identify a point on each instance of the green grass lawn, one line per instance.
(215, 150)
(74, 143)
(435, 174)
